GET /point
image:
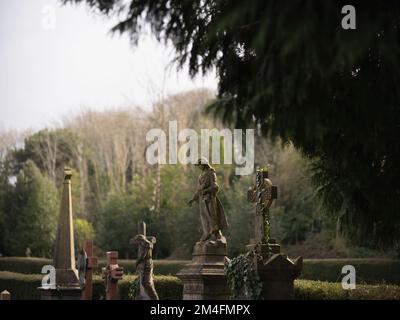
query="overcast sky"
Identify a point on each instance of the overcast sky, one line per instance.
(56, 60)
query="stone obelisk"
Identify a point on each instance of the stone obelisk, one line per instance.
(67, 285)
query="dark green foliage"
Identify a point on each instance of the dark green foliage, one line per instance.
(117, 221)
(31, 218)
(24, 286)
(290, 68)
(319, 290)
(161, 267)
(369, 271)
(34, 265)
(240, 214)
(5, 205)
(242, 277)
(21, 286)
(23, 265)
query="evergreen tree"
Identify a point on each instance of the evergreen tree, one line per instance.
(31, 221)
(291, 69)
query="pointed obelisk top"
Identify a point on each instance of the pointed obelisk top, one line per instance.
(64, 254)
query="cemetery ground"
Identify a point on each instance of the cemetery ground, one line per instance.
(320, 279)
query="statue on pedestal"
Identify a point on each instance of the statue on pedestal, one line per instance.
(204, 278)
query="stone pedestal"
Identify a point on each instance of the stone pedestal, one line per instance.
(204, 278)
(276, 271)
(61, 293)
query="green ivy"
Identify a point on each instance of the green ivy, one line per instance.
(242, 277)
(134, 288)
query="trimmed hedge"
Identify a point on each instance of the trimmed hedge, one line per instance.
(23, 286)
(161, 267)
(369, 271)
(34, 265)
(319, 290)
(23, 265)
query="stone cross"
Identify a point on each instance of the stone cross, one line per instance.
(142, 229)
(144, 263)
(263, 193)
(5, 295)
(112, 273)
(91, 263)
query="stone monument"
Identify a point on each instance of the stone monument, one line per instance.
(204, 278)
(66, 285)
(276, 271)
(144, 263)
(112, 273)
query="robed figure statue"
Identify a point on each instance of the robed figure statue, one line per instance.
(212, 215)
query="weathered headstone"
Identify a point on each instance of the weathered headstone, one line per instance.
(112, 273)
(204, 278)
(86, 263)
(275, 270)
(5, 295)
(66, 285)
(144, 263)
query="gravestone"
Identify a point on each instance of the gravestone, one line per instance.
(204, 277)
(112, 273)
(5, 295)
(144, 263)
(275, 270)
(66, 285)
(86, 263)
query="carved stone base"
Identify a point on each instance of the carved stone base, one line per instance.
(204, 278)
(276, 271)
(66, 288)
(71, 293)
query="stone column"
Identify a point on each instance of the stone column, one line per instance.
(66, 280)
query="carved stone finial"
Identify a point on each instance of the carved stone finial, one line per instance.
(67, 173)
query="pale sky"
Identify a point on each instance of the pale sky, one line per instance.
(56, 60)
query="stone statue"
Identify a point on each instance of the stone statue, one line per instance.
(144, 266)
(212, 214)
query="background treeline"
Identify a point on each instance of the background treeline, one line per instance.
(114, 187)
